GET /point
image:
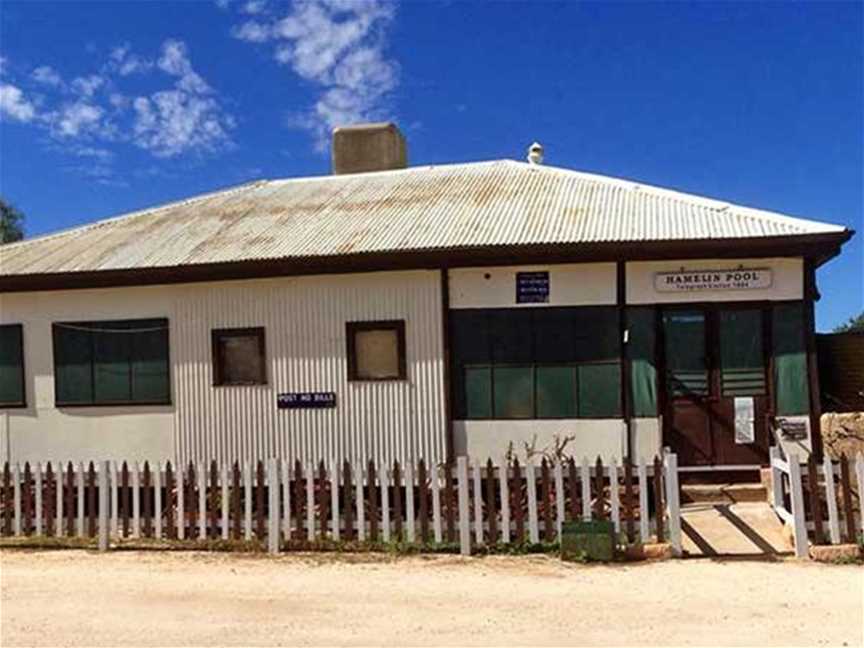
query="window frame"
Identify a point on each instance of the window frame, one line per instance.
(218, 359)
(55, 326)
(352, 328)
(23, 402)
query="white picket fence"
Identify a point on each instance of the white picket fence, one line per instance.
(829, 499)
(475, 504)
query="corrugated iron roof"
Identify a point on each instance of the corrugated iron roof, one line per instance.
(495, 204)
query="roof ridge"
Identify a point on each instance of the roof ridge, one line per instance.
(716, 204)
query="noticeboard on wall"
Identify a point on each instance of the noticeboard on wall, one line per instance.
(306, 400)
(532, 287)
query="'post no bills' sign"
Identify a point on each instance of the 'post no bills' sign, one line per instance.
(693, 280)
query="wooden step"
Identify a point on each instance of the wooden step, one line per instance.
(723, 493)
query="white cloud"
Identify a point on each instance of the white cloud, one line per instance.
(252, 32)
(339, 45)
(126, 63)
(14, 105)
(253, 7)
(47, 75)
(222, 4)
(185, 118)
(87, 86)
(75, 119)
(179, 113)
(175, 61)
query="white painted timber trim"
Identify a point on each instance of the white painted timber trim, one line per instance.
(464, 521)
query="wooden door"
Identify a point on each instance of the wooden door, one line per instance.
(715, 361)
(687, 419)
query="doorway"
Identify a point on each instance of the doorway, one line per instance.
(716, 384)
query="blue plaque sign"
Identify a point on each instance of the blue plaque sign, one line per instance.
(532, 287)
(306, 400)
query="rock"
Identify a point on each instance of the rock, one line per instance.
(835, 553)
(650, 551)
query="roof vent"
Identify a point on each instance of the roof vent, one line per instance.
(535, 153)
(368, 147)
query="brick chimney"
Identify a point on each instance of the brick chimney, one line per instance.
(368, 147)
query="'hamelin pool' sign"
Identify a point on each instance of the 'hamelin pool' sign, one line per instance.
(693, 280)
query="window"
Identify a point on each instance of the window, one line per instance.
(12, 366)
(790, 360)
(112, 363)
(376, 350)
(641, 349)
(535, 363)
(742, 360)
(239, 357)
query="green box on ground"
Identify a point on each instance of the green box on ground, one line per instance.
(588, 540)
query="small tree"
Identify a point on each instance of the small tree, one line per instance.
(11, 223)
(854, 324)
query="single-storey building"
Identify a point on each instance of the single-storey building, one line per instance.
(389, 311)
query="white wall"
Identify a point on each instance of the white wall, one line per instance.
(571, 284)
(591, 437)
(304, 319)
(787, 281)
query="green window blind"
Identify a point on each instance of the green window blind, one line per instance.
(119, 362)
(641, 350)
(478, 392)
(556, 392)
(686, 367)
(11, 366)
(742, 363)
(535, 363)
(514, 392)
(790, 360)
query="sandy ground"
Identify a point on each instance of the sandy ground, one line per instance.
(78, 598)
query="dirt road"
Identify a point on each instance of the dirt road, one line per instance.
(77, 598)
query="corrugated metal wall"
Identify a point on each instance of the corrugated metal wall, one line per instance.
(841, 371)
(306, 349)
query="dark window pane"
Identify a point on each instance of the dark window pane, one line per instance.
(511, 336)
(241, 359)
(687, 373)
(470, 342)
(742, 369)
(600, 390)
(554, 335)
(112, 362)
(150, 365)
(514, 392)
(596, 334)
(641, 351)
(478, 392)
(790, 360)
(112, 375)
(73, 363)
(11, 365)
(556, 392)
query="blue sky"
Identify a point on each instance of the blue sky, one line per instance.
(108, 107)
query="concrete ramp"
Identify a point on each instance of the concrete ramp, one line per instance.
(741, 530)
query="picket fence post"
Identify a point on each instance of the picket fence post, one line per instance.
(797, 493)
(464, 520)
(531, 483)
(673, 503)
(644, 515)
(503, 483)
(409, 501)
(831, 499)
(859, 475)
(103, 505)
(80, 526)
(614, 495)
(273, 505)
(559, 498)
(478, 504)
(436, 503)
(585, 481)
(360, 499)
(334, 498)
